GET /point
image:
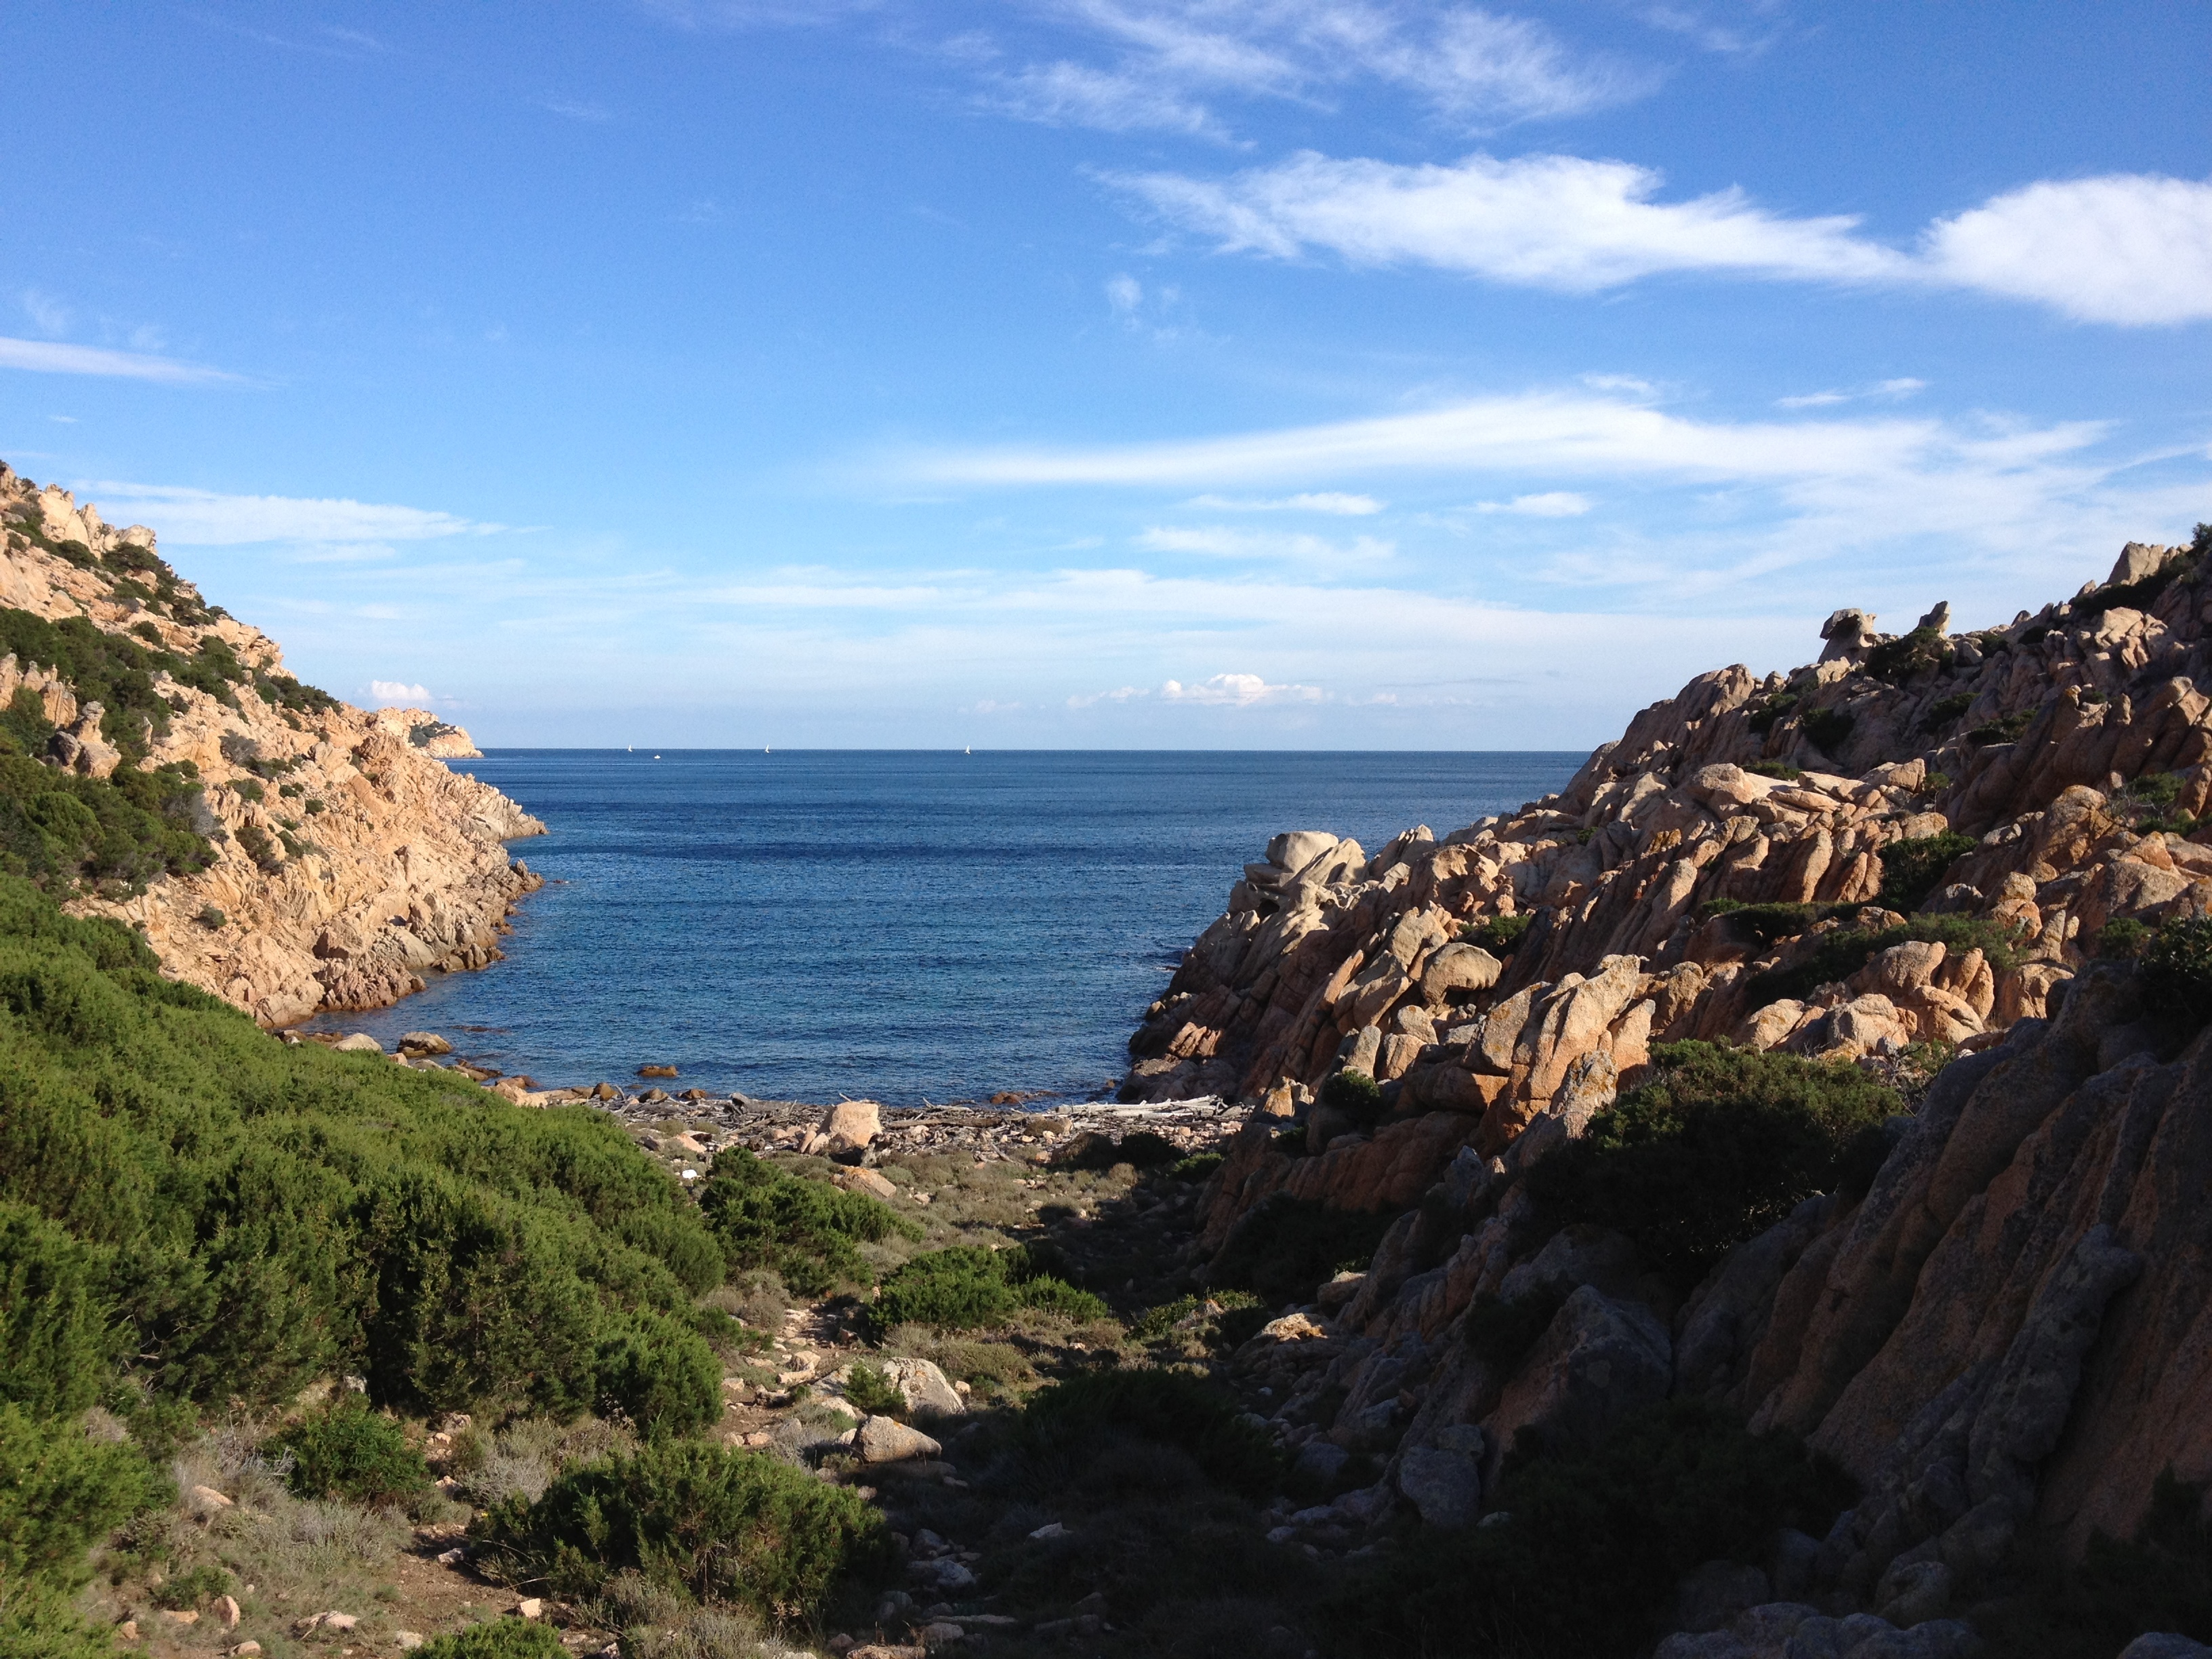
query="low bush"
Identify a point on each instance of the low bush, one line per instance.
(1499, 935)
(966, 1285)
(2008, 728)
(721, 1525)
(58, 1333)
(1838, 955)
(1716, 1147)
(1282, 1247)
(1155, 1324)
(2160, 1579)
(869, 1391)
(349, 1451)
(1945, 710)
(499, 1639)
(657, 1374)
(1828, 729)
(1141, 1149)
(1768, 712)
(1072, 1421)
(1898, 661)
(1770, 924)
(1195, 1168)
(1355, 1094)
(1911, 869)
(2121, 939)
(1591, 1545)
(194, 1588)
(1782, 770)
(805, 1231)
(2177, 969)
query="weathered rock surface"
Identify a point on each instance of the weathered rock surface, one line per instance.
(351, 862)
(2008, 1337)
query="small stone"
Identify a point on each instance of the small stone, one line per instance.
(251, 1650)
(209, 1497)
(424, 1042)
(453, 1557)
(340, 1621)
(358, 1042)
(127, 1631)
(1050, 1529)
(409, 1640)
(226, 1609)
(886, 1440)
(176, 1616)
(529, 1607)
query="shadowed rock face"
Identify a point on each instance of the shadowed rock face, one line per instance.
(2010, 1332)
(397, 870)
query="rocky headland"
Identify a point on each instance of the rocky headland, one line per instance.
(1942, 861)
(338, 861)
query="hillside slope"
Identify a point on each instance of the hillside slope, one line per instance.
(326, 858)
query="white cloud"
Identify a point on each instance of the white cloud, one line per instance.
(395, 692)
(1124, 293)
(1238, 691)
(1221, 542)
(1337, 503)
(2123, 249)
(49, 314)
(201, 517)
(1167, 58)
(1552, 504)
(52, 357)
(1885, 389)
(1065, 94)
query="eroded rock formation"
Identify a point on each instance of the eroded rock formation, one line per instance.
(2010, 1333)
(349, 862)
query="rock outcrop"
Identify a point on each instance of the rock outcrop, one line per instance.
(349, 862)
(1907, 855)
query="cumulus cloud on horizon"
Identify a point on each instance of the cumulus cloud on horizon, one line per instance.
(2128, 249)
(391, 693)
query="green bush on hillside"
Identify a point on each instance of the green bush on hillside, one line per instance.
(1911, 869)
(1839, 954)
(1070, 1422)
(253, 1215)
(57, 1333)
(1828, 728)
(721, 1525)
(2176, 969)
(1355, 1094)
(966, 1285)
(1499, 935)
(805, 1230)
(347, 1450)
(1717, 1147)
(1284, 1247)
(1592, 1544)
(497, 1638)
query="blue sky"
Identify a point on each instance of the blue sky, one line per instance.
(1128, 373)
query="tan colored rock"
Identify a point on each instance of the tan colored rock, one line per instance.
(851, 1124)
(858, 1180)
(887, 1440)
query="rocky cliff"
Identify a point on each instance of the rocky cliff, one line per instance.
(343, 861)
(1932, 856)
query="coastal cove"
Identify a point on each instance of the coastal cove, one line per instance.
(905, 925)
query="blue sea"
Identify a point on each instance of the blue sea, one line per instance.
(910, 925)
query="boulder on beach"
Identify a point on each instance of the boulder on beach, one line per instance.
(849, 1126)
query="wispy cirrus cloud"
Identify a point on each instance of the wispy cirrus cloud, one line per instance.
(1549, 504)
(2130, 250)
(1335, 502)
(1221, 542)
(203, 518)
(58, 357)
(1217, 691)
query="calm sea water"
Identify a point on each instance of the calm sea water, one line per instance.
(905, 925)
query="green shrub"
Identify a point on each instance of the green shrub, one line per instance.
(1782, 770)
(346, 1450)
(1944, 710)
(1772, 710)
(1768, 923)
(60, 1492)
(1355, 1094)
(2121, 939)
(869, 1391)
(57, 1336)
(1898, 661)
(2177, 969)
(498, 1639)
(1499, 935)
(1839, 954)
(1718, 1145)
(1827, 728)
(1156, 1323)
(721, 1525)
(193, 1589)
(1094, 1150)
(1594, 1542)
(966, 1285)
(1282, 1247)
(1195, 1168)
(805, 1230)
(2008, 729)
(263, 1215)
(1911, 869)
(1072, 1421)
(658, 1374)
